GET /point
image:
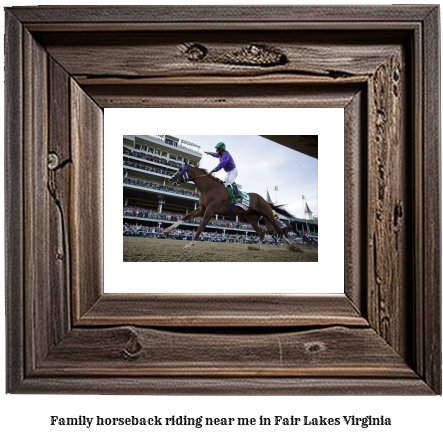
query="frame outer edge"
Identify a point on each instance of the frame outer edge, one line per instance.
(431, 314)
(432, 202)
(14, 201)
(221, 13)
(229, 386)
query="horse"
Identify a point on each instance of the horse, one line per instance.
(215, 199)
(289, 227)
(309, 241)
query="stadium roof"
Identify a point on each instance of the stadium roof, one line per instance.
(305, 144)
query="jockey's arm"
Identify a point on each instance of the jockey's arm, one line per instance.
(221, 164)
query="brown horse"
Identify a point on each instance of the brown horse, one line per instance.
(214, 199)
(272, 231)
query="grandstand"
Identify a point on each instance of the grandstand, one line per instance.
(150, 201)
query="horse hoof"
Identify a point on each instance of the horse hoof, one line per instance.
(190, 245)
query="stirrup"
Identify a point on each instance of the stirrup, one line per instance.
(235, 190)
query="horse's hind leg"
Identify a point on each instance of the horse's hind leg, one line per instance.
(253, 219)
(270, 218)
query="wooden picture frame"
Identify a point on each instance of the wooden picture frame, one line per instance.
(65, 64)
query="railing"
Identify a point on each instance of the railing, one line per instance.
(156, 232)
(161, 188)
(134, 214)
(128, 164)
(151, 159)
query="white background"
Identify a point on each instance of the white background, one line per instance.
(327, 123)
(29, 414)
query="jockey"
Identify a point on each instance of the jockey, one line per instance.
(277, 218)
(227, 164)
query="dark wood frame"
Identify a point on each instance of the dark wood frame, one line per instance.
(64, 65)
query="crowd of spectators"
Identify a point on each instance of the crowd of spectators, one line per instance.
(150, 213)
(150, 169)
(176, 216)
(151, 158)
(137, 230)
(162, 188)
(310, 238)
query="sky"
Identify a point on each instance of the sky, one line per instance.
(263, 164)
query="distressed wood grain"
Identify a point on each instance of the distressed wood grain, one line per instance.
(205, 310)
(127, 350)
(289, 386)
(59, 165)
(86, 196)
(223, 14)
(151, 54)
(14, 238)
(388, 204)
(36, 203)
(355, 189)
(430, 318)
(225, 96)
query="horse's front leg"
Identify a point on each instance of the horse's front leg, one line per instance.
(209, 213)
(198, 212)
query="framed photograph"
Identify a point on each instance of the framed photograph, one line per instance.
(65, 65)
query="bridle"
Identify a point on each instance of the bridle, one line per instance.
(183, 175)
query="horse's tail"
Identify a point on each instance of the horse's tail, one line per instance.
(280, 210)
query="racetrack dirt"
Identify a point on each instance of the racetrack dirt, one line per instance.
(139, 249)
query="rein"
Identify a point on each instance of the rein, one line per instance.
(184, 174)
(199, 176)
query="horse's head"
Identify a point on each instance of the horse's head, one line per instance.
(181, 176)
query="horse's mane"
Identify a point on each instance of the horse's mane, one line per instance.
(212, 176)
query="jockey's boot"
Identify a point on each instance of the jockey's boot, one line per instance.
(236, 191)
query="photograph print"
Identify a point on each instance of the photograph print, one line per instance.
(220, 198)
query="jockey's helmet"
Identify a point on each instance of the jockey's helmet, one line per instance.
(220, 148)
